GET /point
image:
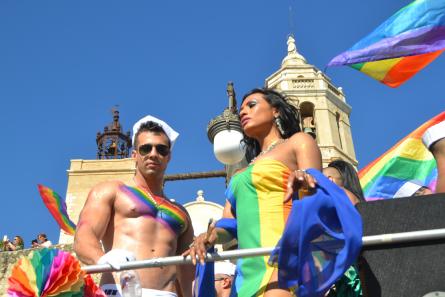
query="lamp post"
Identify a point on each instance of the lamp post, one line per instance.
(225, 132)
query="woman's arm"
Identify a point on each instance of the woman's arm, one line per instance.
(214, 235)
(307, 154)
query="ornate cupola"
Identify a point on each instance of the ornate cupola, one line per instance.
(112, 143)
(323, 108)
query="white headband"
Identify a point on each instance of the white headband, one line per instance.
(408, 189)
(433, 134)
(171, 134)
(225, 267)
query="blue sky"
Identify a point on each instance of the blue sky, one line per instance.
(65, 64)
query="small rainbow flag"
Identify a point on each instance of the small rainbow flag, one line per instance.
(57, 207)
(408, 160)
(401, 46)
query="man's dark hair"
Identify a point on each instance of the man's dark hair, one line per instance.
(43, 235)
(149, 126)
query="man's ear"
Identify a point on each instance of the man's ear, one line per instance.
(133, 153)
(227, 283)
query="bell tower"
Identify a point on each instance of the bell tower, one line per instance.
(323, 108)
(112, 143)
(112, 163)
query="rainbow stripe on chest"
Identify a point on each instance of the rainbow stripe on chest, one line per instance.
(164, 211)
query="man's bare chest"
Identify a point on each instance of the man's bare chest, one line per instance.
(133, 202)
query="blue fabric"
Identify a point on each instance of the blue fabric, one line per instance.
(322, 238)
(205, 279)
(230, 196)
(229, 225)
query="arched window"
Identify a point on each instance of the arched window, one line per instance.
(308, 118)
(337, 120)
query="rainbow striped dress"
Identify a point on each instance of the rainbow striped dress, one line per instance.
(256, 195)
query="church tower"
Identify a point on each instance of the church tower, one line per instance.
(323, 108)
(112, 163)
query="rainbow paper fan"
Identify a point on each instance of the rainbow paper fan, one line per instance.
(50, 272)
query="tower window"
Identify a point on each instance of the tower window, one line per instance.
(308, 118)
(337, 119)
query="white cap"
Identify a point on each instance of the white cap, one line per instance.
(408, 189)
(171, 134)
(433, 134)
(225, 267)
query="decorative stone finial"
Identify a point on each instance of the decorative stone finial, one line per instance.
(291, 48)
(200, 196)
(293, 56)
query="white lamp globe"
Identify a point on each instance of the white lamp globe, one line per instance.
(227, 146)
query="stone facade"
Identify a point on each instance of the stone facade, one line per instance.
(323, 108)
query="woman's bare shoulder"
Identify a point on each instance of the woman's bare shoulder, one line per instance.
(302, 138)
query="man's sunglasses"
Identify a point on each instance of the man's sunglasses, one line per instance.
(162, 149)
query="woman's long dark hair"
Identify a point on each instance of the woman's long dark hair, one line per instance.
(289, 117)
(350, 178)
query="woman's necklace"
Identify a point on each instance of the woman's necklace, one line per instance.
(268, 149)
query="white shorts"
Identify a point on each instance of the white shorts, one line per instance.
(111, 290)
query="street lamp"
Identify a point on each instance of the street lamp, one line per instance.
(224, 131)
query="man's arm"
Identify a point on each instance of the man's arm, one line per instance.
(185, 273)
(438, 150)
(93, 222)
(434, 140)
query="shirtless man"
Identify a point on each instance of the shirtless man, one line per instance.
(137, 221)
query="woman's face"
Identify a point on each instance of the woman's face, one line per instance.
(333, 175)
(257, 115)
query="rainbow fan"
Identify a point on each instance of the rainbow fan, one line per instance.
(57, 207)
(50, 272)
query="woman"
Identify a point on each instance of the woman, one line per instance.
(16, 245)
(259, 196)
(344, 175)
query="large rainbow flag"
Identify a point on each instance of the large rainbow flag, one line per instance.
(408, 160)
(57, 207)
(401, 46)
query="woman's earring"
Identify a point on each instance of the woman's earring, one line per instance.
(279, 125)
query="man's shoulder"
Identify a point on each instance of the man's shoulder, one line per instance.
(106, 188)
(109, 184)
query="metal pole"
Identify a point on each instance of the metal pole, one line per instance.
(403, 237)
(368, 241)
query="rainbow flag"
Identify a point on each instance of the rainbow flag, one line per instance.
(57, 207)
(408, 160)
(401, 46)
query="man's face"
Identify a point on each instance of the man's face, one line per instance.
(223, 284)
(152, 154)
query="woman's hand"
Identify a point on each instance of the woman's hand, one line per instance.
(301, 183)
(202, 243)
